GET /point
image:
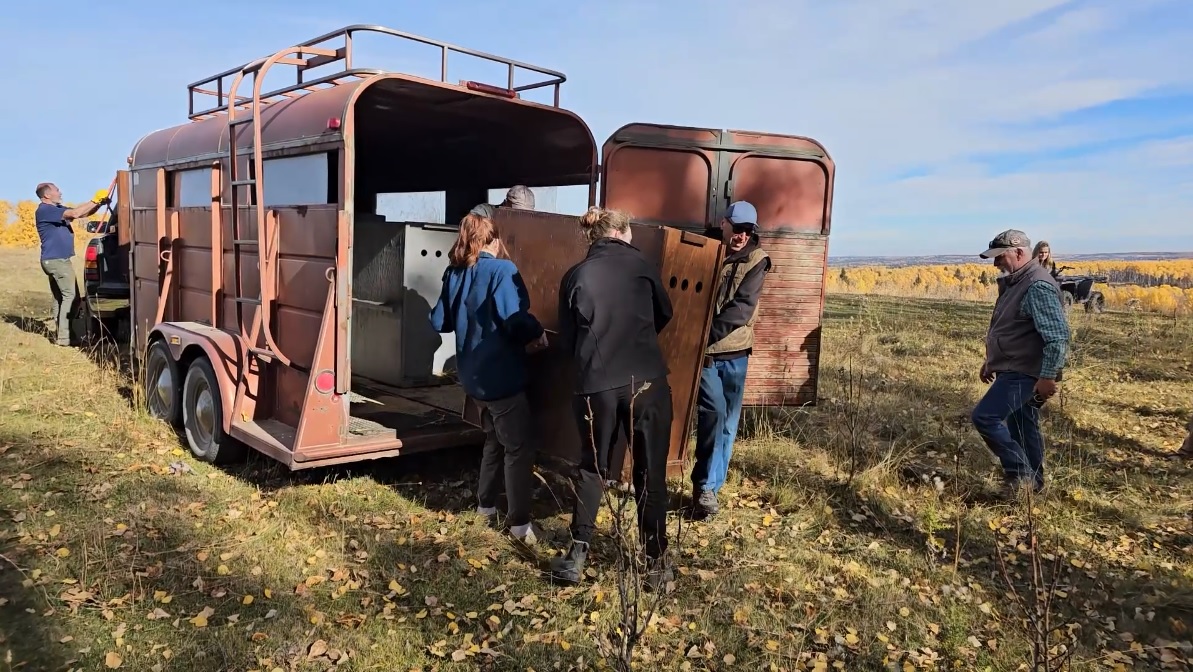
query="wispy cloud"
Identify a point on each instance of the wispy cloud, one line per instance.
(1072, 119)
(950, 119)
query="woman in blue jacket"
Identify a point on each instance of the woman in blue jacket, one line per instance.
(485, 302)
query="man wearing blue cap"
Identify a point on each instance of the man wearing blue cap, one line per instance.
(730, 339)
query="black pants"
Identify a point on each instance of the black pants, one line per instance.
(646, 422)
(508, 443)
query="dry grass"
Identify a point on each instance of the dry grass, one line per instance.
(856, 535)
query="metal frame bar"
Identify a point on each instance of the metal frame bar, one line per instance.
(319, 56)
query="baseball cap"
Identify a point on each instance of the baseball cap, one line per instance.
(742, 213)
(1006, 241)
(483, 209)
(519, 197)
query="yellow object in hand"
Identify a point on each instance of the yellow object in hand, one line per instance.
(100, 195)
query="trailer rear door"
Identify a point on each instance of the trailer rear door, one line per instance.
(686, 177)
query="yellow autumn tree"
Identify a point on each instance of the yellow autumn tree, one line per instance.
(1152, 286)
(18, 225)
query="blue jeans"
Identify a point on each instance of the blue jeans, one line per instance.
(1008, 419)
(718, 409)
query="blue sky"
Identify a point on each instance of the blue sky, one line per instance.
(949, 121)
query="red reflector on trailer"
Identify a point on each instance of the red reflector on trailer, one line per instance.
(489, 88)
(333, 123)
(325, 382)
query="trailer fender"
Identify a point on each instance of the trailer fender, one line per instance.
(225, 351)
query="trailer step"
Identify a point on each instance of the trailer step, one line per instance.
(358, 398)
(270, 432)
(362, 427)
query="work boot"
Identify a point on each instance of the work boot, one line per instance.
(659, 575)
(706, 503)
(490, 515)
(570, 568)
(528, 535)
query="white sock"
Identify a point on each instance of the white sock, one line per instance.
(520, 531)
(486, 510)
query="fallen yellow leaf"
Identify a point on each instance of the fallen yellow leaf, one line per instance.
(223, 570)
(63, 552)
(248, 599)
(200, 621)
(113, 660)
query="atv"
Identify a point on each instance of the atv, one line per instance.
(1076, 289)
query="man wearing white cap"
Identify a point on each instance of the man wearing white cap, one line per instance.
(1026, 346)
(731, 337)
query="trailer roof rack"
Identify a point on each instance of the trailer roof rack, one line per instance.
(320, 54)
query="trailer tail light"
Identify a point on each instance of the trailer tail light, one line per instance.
(91, 264)
(489, 88)
(325, 382)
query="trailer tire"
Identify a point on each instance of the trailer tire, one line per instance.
(1067, 299)
(203, 417)
(1096, 303)
(163, 388)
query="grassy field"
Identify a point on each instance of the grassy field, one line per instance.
(857, 535)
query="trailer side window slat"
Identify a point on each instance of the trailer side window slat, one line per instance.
(298, 180)
(193, 189)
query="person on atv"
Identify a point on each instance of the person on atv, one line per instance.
(1043, 254)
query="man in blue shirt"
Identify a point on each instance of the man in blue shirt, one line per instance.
(58, 247)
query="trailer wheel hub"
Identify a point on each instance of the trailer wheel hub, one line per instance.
(165, 387)
(205, 413)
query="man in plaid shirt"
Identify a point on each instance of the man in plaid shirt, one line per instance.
(1026, 347)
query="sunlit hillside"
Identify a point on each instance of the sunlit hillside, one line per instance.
(1152, 286)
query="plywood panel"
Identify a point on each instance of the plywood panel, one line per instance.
(544, 246)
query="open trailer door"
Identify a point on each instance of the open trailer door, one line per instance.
(686, 177)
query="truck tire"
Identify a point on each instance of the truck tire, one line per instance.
(203, 417)
(163, 386)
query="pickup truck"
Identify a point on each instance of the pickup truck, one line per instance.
(105, 283)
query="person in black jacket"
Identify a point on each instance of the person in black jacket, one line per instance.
(612, 306)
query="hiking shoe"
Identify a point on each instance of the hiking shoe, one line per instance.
(707, 504)
(570, 568)
(659, 576)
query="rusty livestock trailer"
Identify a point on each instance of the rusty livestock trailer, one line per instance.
(274, 309)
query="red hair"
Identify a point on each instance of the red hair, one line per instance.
(475, 233)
